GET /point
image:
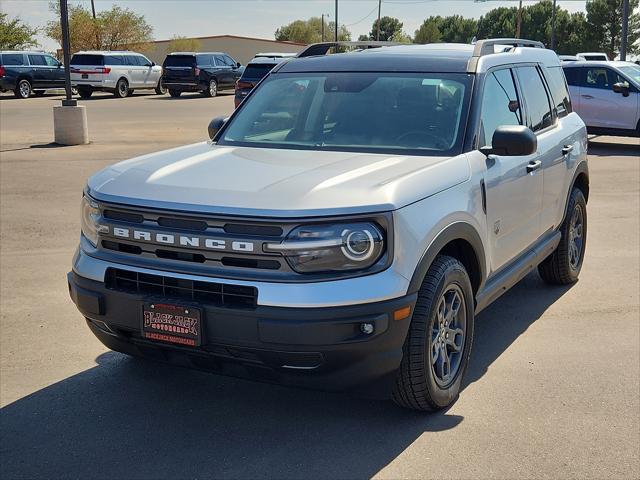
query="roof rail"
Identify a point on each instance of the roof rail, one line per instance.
(324, 47)
(486, 47)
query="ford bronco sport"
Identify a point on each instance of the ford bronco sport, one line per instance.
(346, 223)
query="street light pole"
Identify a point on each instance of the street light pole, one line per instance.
(64, 25)
(322, 28)
(625, 30)
(93, 9)
(336, 19)
(553, 26)
(519, 20)
(378, 29)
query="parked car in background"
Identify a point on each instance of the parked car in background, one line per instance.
(206, 72)
(119, 72)
(26, 72)
(255, 71)
(606, 95)
(568, 58)
(593, 56)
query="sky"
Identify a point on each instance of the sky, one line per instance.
(261, 18)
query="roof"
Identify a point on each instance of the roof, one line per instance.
(239, 38)
(275, 54)
(435, 57)
(196, 53)
(598, 63)
(21, 51)
(266, 60)
(106, 52)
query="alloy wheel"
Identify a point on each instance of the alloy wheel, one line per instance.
(213, 88)
(448, 336)
(576, 238)
(25, 89)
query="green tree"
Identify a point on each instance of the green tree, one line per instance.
(458, 29)
(114, 29)
(429, 32)
(389, 27)
(16, 35)
(310, 31)
(604, 21)
(498, 23)
(184, 44)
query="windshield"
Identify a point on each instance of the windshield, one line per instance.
(632, 71)
(421, 114)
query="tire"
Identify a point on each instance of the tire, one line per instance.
(38, 93)
(122, 88)
(422, 382)
(160, 88)
(23, 89)
(85, 92)
(175, 93)
(212, 91)
(563, 266)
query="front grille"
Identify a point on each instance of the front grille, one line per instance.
(218, 294)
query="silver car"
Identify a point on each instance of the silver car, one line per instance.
(118, 72)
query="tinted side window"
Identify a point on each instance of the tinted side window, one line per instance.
(144, 61)
(12, 59)
(82, 59)
(114, 60)
(219, 61)
(572, 76)
(131, 60)
(536, 98)
(37, 60)
(500, 104)
(559, 91)
(204, 60)
(52, 62)
(598, 77)
(230, 61)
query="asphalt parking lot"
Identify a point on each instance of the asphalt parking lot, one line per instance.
(553, 389)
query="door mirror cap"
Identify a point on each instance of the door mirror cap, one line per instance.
(238, 64)
(512, 140)
(215, 125)
(621, 87)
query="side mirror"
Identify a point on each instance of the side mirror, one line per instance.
(215, 125)
(153, 64)
(238, 64)
(621, 87)
(512, 140)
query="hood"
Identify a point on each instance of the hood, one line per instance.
(275, 182)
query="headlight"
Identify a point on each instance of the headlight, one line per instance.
(331, 247)
(90, 214)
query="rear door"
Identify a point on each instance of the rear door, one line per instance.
(514, 196)
(600, 106)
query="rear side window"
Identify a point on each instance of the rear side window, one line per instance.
(500, 104)
(131, 60)
(536, 98)
(204, 60)
(12, 59)
(114, 60)
(37, 60)
(82, 59)
(180, 61)
(559, 91)
(257, 71)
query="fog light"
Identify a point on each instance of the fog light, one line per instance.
(366, 328)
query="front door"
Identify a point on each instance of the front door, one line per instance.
(513, 194)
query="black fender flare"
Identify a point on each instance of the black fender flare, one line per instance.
(455, 231)
(582, 168)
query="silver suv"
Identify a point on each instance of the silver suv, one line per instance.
(347, 222)
(113, 71)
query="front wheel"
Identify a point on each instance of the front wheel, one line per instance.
(437, 348)
(212, 91)
(563, 266)
(160, 88)
(122, 88)
(23, 89)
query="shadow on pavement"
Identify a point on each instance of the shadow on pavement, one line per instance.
(129, 418)
(606, 148)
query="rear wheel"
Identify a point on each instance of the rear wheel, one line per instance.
(175, 93)
(85, 92)
(437, 348)
(160, 88)
(563, 266)
(122, 88)
(212, 91)
(23, 89)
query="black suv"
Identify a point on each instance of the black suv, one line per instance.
(207, 72)
(29, 71)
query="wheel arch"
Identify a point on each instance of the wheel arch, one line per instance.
(461, 241)
(581, 181)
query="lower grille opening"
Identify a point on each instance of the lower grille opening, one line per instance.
(218, 294)
(121, 247)
(250, 263)
(184, 256)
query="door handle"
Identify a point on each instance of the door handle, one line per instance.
(567, 149)
(587, 96)
(533, 166)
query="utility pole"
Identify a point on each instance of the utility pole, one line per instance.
(322, 27)
(378, 29)
(336, 19)
(519, 20)
(64, 25)
(625, 30)
(93, 9)
(553, 26)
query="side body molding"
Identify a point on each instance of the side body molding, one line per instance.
(455, 231)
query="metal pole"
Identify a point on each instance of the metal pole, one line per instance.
(64, 24)
(322, 27)
(625, 30)
(378, 30)
(93, 9)
(519, 20)
(553, 26)
(336, 19)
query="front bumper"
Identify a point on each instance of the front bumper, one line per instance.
(310, 347)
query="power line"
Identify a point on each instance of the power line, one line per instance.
(363, 18)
